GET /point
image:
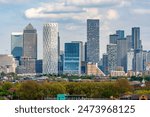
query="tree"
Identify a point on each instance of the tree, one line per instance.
(30, 90)
(122, 85)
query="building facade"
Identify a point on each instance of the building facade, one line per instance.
(122, 48)
(93, 44)
(7, 64)
(112, 57)
(136, 42)
(113, 38)
(129, 41)
(120, 34)
(73, 58)
(130, 60)
(105, 64)
(50, 48)
(17, 45)
(30, 42)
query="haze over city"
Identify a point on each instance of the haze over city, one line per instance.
(71, 16)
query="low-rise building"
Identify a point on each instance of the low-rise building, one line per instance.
(7, 63)
(117, 73)
(92, 69)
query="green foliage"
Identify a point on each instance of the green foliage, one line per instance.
(123, 86)
(6, 86)
(52, 89)
(142, 92)
(30, 90)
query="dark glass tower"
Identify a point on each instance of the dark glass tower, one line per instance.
(93, 40)
(17, 44)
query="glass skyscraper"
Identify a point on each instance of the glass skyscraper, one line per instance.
(93, 44)
(122, 49)
(113, 38)
(73, 58)
(120, 34)
(17, 44)
(30, 42)
(136, 42)
(50, 48)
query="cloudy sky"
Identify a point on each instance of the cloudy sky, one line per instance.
(71, 16)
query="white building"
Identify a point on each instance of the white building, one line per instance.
(130, 60)
(50, 48)
(7, 64)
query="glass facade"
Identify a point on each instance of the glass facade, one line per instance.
(120, 34)
(136, 42)
(72, 58)
(17, 45)
(93, 40)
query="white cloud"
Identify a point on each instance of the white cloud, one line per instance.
(69, 9)
(12, 1)
(141, 11)
(90, 3)
(61, 10)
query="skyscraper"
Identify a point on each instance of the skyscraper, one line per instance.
(120, 34)
(30, 42)
(85, 52)
(50, 48)
(93, 40)
(138, 61)
(28, 60)
(136, 42)
(105, 64)
(113, 38)
(122, 49)
(73, 57)
(17, 44)
(112, 57)
(129, 41)
(130, 60)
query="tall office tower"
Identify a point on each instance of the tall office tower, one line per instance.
(17, 45)
(113, 38)
(39, 65)
(93, 51)
(136, 42)
(130, 60)
(148, 57)
(85, 51)
(50, 48)
(28, 60)
(30, 42)
(58, 44)
(73, 57)
(105, 64)
(112, 57)
(144, 59)
(60, 63)
(129, 41)
(122, 49)
(138, 61)
(120, 34)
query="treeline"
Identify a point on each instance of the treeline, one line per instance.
(32, 90)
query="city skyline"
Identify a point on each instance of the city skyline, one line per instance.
(113, 15)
